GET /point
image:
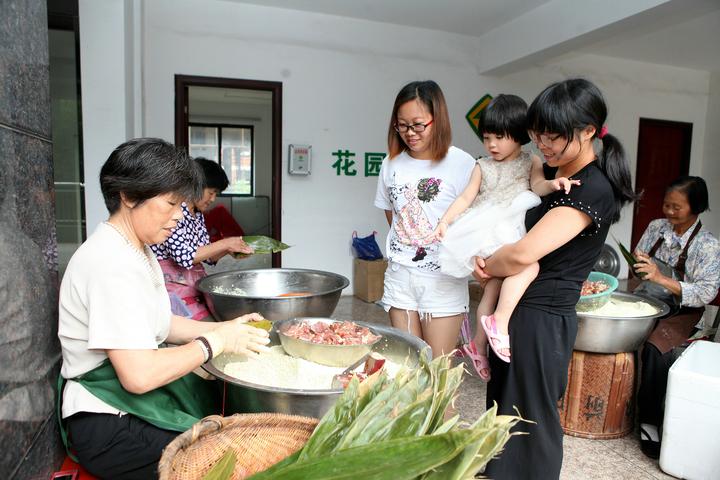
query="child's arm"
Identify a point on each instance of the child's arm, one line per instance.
(540, 186)
(460, 204)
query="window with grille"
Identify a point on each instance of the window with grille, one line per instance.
(229, 145)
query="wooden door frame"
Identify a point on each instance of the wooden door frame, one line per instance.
(687, 128)
(182, 82)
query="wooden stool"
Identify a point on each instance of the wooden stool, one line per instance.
(598, 400)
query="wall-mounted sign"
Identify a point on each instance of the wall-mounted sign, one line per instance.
(299, 158)
(475, 114)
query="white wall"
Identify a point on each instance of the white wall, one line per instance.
(105, 101)
(340, 78)
(632, 90)
(711, 167)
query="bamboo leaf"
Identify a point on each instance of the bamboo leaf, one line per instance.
(224, 468)
(447, 426)
(334, 424)
(376, 412)
(382, 411)
(629, 258)
(446, 387)
(262, 245)
(406, 423)
(490, 447)
(493, 444)
(283, 463)
(399, 459)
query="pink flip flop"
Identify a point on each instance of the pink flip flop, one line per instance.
(497, 340)
(480, 362)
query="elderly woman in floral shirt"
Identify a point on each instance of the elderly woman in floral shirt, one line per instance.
(182, 254)
(679, 263)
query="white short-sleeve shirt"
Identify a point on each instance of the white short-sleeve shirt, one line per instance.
(111, 297)
(418, 192)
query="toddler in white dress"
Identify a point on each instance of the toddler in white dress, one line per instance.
(490, 213)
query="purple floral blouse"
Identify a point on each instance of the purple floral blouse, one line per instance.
(182, 245)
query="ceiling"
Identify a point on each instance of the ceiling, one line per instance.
(693, 43)
(466, 17)
(688, 37)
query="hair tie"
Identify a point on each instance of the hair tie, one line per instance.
(603, 132)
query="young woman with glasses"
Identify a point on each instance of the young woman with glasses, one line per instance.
(566, 233)
(421, 176)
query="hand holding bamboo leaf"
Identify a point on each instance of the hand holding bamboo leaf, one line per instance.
(629, 258)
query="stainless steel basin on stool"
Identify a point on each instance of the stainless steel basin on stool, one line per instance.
(599, 398)
(617, 334)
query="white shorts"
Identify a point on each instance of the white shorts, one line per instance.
(428, 293)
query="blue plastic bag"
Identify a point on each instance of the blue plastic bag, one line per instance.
(366, 248)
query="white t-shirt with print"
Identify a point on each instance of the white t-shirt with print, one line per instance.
(111, 297)
(418, 192)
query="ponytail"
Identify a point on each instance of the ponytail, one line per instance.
(613, 163)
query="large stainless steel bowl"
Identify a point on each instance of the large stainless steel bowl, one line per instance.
(322, 353)
(614, 334)
(245, 397)
(262, 288)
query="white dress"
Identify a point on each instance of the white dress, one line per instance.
(495, 218)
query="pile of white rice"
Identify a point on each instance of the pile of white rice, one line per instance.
(229, 291)
(278, 369)
(623, 309)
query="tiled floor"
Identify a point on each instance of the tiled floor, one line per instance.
(584, 459)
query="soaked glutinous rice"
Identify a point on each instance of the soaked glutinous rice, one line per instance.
(624, 309)
(278, 369)
(229, 291)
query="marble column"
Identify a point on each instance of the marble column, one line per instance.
(29, 349)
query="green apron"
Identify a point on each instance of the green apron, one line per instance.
(175, 406)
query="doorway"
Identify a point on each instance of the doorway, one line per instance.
(237, 123)
(65, 99)
(663, 155)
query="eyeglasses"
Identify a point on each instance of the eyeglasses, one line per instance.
(415, 127)
(543, 138)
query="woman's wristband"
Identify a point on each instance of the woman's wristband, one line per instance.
(206, 348)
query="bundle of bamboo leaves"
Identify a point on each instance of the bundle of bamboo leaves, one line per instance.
(395, 428)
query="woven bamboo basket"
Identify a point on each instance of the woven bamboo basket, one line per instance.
(598, 399)
(259, 441)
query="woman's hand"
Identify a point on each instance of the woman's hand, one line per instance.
(216, 250)
(250, 317)
(236, 245)
(235, 336)
(648, 267)
(479, 272)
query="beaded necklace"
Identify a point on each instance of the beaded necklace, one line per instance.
(144, 255)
